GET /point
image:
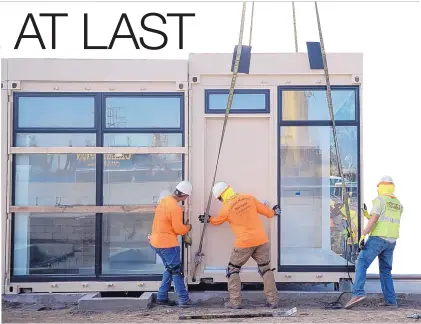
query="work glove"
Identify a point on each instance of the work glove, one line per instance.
(202, 219)
(361, 244)
(187, 240)
(365, 211)
(277, 210)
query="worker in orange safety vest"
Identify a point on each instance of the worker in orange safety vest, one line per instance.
(241, 212)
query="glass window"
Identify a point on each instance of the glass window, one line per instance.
(313, 222)
(143, 112)
(143, 140)
(50, 244)
(243, 101)
(55, 179)
(125, 245)
(55, 140)
(56, 112)
(138, 179)
(312, 104)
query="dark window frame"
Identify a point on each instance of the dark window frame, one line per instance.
(99, 129)
(327, 123)
(266, 92)
(320, 122)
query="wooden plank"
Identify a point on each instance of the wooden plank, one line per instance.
(85, 209)
(99, 150)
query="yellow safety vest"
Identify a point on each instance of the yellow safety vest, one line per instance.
(389, 221)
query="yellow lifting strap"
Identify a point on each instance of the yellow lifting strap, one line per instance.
(199, 254)
(335, 138)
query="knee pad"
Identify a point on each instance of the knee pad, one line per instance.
(263, 268)
(232, 269)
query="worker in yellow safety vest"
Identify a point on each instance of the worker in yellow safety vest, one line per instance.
(383, 227)
(346, 248)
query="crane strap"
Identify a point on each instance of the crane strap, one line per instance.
(335, 137)
(199, 254)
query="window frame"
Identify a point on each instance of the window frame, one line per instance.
(320, 122)
(266, 92)
(100, 130)
(141, 130)
(17, 129)
(326, 123)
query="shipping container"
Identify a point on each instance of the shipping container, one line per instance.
(89, 147)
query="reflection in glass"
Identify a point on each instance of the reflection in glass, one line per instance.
(139, 178)
(313, 222)
(312, 105)
(143, 140)
(241, 101)
(55, 179)
(143, 112)
(126, 247)
(50, 244)
(55, 140)
(56, 112)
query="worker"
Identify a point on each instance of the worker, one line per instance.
(241, 212)
(166, 226)
(349, 230)
(383, 224)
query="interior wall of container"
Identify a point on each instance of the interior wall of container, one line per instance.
(249, 161)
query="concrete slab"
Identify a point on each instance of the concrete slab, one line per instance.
(95, 302)
(44, 298)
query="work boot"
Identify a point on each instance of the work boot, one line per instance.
(233, 306)
(354, 301)
(167, 302)
(187, 304)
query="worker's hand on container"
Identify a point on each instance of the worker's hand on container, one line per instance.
(187, 240)
(202, 218)
(277, 210)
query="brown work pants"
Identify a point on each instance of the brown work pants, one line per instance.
(239, 256)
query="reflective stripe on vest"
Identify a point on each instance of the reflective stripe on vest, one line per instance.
(389, 221)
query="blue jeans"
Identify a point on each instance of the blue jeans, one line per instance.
(376, 247)
(173, 271)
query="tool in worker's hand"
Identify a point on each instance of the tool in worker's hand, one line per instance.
(289, 312)
(416, 316)
(202, 219)
(365, 211)
(277, 210)
(187, 240)
(361, 244)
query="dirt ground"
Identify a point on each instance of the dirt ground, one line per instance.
(310, 313)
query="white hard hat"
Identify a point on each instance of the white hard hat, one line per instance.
(386, 179)
(163, 194)
(185, 187)
(219, 188)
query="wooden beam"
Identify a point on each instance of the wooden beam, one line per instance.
(99, 150)
(85, 209)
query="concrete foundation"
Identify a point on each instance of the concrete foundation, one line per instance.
(95, 302)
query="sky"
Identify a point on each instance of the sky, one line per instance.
(388, 33)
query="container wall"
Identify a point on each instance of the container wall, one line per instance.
(283, 153)
(68, 131)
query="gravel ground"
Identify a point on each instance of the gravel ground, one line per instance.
(369, 312)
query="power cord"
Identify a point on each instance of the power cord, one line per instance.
(337, 304)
